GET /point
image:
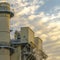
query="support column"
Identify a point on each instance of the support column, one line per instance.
(4, 54)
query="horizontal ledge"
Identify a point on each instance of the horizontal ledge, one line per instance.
(18, 42)
(7, 47)
(5, 31)
(8, 12)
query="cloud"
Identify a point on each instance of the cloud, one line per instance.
(31, 9)
(45, 25)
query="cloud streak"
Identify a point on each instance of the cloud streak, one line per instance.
(45, 25)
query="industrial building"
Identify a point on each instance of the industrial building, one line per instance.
(25, 46)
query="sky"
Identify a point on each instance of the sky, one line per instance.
(43, 17)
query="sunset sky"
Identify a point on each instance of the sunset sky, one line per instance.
(43, 17)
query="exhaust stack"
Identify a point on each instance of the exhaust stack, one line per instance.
(5, 15)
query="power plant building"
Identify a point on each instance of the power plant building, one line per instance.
(25, 46)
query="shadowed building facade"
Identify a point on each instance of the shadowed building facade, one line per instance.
(27, 46)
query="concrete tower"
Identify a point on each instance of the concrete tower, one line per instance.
(5, 15)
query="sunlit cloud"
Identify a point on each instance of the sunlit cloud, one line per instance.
(45, 25)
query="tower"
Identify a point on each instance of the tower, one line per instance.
(5, 15)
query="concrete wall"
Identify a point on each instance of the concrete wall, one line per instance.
(4, 23)
(27, 35)
(17, 54)
(4, 30)
(38, 43)
(4, 54)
